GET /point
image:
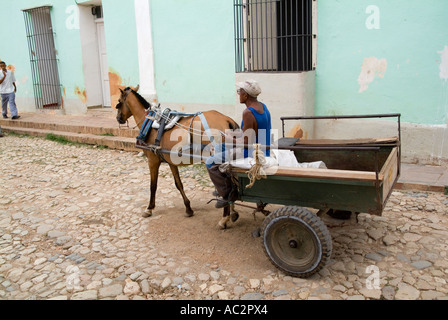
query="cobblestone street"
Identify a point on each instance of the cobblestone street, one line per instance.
(71, 229)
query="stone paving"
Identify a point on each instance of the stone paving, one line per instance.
(70, 230)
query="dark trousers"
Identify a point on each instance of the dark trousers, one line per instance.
(223, 183)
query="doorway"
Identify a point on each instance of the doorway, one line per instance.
(104, 67)
(44, 66)
(94, 55)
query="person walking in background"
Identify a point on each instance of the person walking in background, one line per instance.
(8, 91)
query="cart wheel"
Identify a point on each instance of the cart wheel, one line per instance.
(296, 241)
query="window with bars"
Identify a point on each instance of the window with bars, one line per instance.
(273, 35)
(44, 64)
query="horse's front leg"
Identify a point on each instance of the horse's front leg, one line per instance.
(154, 165)
(225, 218)
(233, 214)
(189, 212)
(229, 214)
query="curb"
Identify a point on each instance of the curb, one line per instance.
(119, 143)
(71, 128)
(403, 185)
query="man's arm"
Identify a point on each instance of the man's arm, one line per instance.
(249, 129)
(4, 77)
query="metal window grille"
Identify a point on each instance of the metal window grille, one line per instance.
(44, 65)
(273, 35)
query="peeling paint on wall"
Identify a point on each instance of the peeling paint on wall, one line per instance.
(115, 84)
(444, 63)
(81, 94)
(372, 67)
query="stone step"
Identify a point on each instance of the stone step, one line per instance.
(94, 129)
(112, 142)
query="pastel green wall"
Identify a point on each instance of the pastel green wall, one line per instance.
(68, 47)
(67, 43)
(193, 51)
(412, 33)
(14, 48)
(121, 40)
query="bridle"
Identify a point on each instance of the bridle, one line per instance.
(122, 101)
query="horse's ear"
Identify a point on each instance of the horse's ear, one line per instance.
(121, 91)
(136, 88)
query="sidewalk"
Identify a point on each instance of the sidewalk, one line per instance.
(100, 127)
(423, 178)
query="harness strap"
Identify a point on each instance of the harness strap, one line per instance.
(160, 132)
(191, 135)
(150, 122)
(182, 114)
(146, 127)
(207, 129)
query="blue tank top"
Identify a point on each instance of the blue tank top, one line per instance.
(263, 124)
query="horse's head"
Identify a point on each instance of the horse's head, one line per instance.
(130, 104)
(123, 110)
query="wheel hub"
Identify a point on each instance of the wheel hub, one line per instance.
(293, 244)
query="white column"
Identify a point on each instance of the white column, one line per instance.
(145, 49)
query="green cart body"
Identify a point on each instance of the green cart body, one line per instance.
(360, 177)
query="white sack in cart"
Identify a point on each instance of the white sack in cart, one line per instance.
(286, 158)
(247, 163)
(282, 158)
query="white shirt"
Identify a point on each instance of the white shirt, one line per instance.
(7, 85)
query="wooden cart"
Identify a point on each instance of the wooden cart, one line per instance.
(360, 176)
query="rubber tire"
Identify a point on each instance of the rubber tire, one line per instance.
(312, 225)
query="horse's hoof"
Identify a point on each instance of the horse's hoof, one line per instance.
(189, 214)
(223, 223)
(234, 216)
(147, 213)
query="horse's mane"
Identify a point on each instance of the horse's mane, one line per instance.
(142, 100)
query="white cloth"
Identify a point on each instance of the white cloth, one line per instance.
(7, 85)
(287, 158)
(278, 158)
(251, 87)
(247, 163)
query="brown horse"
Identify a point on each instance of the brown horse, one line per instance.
(133, 104)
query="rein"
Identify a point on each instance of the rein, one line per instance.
(129, 109)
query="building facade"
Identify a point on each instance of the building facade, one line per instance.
(387, 56)
(311, 57)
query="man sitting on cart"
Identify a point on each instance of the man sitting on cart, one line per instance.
(255, 127)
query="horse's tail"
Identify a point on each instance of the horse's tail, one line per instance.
(233, 125)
